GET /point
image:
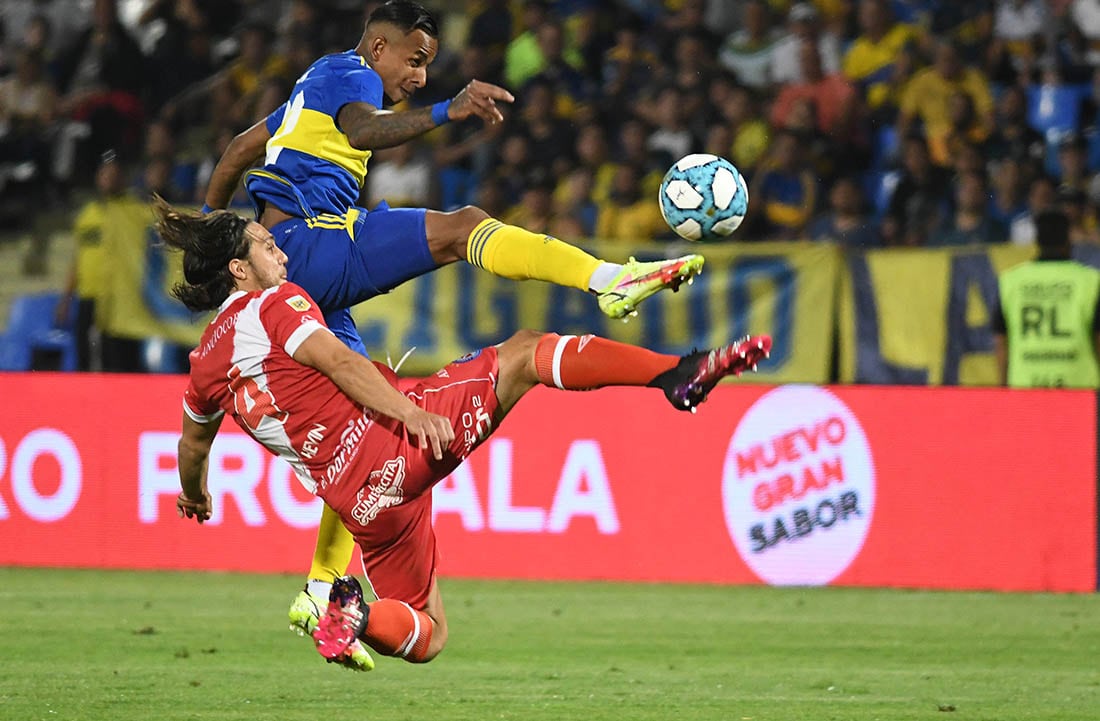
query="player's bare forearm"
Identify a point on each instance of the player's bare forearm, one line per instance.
(193, 452)
(244, 150)
(369, 128)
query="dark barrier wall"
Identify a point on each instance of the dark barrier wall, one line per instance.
(855, 486)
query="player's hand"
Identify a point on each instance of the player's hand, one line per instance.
(432, 431)
(480, 99)
(200, 509)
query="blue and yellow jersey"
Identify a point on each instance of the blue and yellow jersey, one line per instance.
(789, 198)
(311, 168)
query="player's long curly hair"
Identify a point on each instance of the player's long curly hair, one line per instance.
(208, 243)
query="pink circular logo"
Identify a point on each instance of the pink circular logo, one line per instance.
(798, 486)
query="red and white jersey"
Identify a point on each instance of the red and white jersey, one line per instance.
(244, 366)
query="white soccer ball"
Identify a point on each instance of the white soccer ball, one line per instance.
(703, 197)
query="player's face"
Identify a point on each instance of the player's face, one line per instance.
(403, 61)
(266, 260)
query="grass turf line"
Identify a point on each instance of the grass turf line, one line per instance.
(125, 645)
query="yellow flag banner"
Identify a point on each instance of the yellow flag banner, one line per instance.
(138, 275)
(922, 316)
(787, 290)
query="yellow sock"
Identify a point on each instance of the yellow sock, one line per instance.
(512, 252)
(334, 548)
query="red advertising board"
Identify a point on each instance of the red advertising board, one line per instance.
(864, 486)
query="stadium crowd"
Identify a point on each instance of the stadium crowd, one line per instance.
(869, 122)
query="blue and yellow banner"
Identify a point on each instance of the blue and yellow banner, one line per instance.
(137, 277)
(787, 290)
(922, 316)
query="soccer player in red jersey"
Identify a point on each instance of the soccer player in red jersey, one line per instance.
(372, 451)
(315, 150)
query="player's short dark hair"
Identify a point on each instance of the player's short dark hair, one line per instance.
(1052, 229)
(407, 15)
(208, 243)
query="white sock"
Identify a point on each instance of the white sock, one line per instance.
(603, 275)
(320, 589)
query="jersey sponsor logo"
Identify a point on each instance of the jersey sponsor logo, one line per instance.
(476, 425)
(468, 357)
(312, 443)
(383, 490)
(798, 486)
(298, 303)
(347, 448)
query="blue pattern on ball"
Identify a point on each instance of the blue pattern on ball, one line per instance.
(707, 215)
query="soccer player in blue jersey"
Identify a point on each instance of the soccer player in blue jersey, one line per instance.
(317, 146)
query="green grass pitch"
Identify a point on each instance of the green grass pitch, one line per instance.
(151, 646)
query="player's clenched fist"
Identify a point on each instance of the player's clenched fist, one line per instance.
(480, 99)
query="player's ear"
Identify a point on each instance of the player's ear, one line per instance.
(376, 46)
(237, 269)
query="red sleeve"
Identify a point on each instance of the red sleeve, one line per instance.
(200, 408)
(290, 316)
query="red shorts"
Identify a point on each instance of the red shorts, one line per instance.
(390, 515)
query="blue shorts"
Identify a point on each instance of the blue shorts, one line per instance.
(341, 265)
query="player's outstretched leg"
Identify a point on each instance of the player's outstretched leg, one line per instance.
(513, 252)
(570, 362)
(620, 297)
(687, 385)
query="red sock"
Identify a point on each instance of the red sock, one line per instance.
(572, 363)
(394, 628)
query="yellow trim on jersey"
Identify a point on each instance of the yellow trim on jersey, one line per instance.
(331, 221)
(313, 133)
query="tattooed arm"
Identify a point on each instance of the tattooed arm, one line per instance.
(370, 128)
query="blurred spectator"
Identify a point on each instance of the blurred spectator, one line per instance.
(570, 87)
(928, 97)
(1081, 215)
(575, 212)
(491, 31)
(551, 137)
(971, 221)
(86, 280)
(869, 61)
(1007, 203)
(963, 130)
(28, 103)
(1072, 163)
(920, 200)
(845, 222)
(512, 167)
(751, 134)
(401, 177)
(629, 215)
(631, 150)
(785, 190)
(522, 58)
(1042, 196)
(1013, 137)
(671, 139)
(691, 73)
(747, 53)
(535, 208)
(102, 76)
(256, 63)
(834, 98)
(594, 157)
(627, 66)
(804, 27)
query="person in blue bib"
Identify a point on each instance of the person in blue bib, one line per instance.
(315, 149)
